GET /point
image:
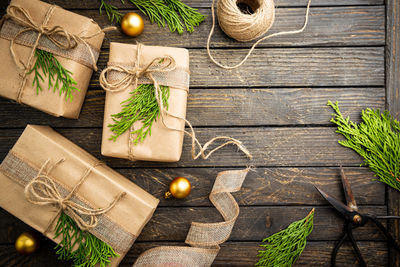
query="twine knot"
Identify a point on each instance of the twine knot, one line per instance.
(42, 190)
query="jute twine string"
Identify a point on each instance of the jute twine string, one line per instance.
(168, 64)
(42, 190)
(247, 27)
(22, 17)
(204, 238)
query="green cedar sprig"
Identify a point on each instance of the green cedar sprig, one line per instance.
(173, 13)
(90, 251)
(284, 248)
(376, 139)
(57, 75)
(141, 106)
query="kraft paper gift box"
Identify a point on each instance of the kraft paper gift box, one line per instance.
(21, 24)
(163, 144)
(41, 150)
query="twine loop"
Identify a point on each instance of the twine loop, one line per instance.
(42, 190)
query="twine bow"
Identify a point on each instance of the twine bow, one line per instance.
(42, 190)
(160, 64)
(57, 35)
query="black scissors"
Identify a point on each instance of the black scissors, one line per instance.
(354, 219)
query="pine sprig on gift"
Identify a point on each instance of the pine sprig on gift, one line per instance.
(284, 248)
(141, 106)
(173, 13)
(376, 139)
(90, 250)
(56, 74)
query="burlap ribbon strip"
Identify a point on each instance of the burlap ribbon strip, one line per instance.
(159, 66)
(41, 189)
(19, 27)
(204, 238)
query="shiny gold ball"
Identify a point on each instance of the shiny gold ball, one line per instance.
(132, 24)
(179, 188)
(27, 243)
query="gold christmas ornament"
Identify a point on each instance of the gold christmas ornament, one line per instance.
(179, 188)
(132, 24)
(27, 243)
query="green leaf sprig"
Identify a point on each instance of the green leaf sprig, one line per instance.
(376, 139)
(284, 248)
(141, 106)
(91, 251)
(173, 13)
(57, 75)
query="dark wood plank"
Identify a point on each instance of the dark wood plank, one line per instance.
(254, 223)
(336, 26)
(77, 4)
(316, 67)
(393, 103)
(225, 107)
(270, 147)
(316, 253)
(263, 186)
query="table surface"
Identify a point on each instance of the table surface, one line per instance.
(276, 104)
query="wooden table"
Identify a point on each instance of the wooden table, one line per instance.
(275, 104)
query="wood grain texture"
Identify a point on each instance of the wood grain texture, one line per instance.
(226, 107)
(77, 4)
(316, 253)
(281, 146)
(338, 26)
(254, 223)
(271, 67)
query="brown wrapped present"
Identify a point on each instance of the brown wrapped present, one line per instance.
(45, 175)
(163, 144)
(74, 41)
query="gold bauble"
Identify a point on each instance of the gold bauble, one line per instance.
(132, 24)
(179, 188)
(27, 243)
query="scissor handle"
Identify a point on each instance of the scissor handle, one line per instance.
(388, 236)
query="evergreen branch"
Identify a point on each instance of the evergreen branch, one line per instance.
(376, 139)
(190, 16)
(141, 106)
(111, 11)
(49, 66)
(90, 251)
(284, 248)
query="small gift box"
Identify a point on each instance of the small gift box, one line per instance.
(52, 184)
(48, 55)
(140, 81)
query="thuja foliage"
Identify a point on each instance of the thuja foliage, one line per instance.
(59, 78)
(173, 13)
(141, 106)
(284, 248)
(90, 250)
(376, 139)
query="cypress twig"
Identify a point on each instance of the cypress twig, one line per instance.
(111, 11)
(90, 251)
(49, 66)
(376, 139)
(141, 106)
(284, 248)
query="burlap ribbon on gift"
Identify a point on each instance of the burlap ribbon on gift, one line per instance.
(204, 238)
(41, 189)
(117, 77)
(19, 27)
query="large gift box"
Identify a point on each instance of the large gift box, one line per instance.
(132, 65)
(74, 40)
(45, 174)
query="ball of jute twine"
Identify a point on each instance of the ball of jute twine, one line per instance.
(246, 27)
(242, 26)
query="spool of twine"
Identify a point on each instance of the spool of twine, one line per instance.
(247, 25)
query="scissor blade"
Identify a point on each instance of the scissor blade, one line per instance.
(339, 206)
(348, 193)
